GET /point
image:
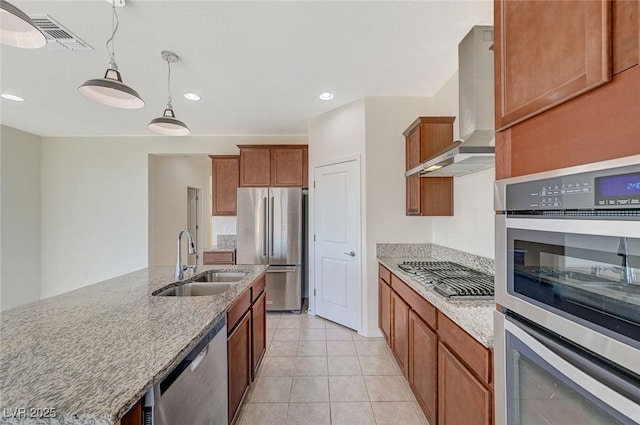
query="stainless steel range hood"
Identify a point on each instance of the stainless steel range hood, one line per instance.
(476, 150)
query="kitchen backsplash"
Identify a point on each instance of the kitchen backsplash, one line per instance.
(227, 240)
(436, 252)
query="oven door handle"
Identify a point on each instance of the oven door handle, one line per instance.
(585, 226)
(595, 379)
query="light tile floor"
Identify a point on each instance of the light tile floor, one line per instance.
(316, 372)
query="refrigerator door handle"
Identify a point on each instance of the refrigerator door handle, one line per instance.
(281, 270)
(264, 241)
(272, 225)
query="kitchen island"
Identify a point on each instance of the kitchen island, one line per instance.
(89, 355)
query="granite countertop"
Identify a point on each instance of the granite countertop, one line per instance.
(221, 248)
(475, 317)
(92, 353)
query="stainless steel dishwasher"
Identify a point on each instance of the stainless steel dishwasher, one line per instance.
(195, 391)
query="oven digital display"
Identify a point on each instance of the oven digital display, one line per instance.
(618, 186)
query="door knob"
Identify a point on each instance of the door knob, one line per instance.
(350, 253)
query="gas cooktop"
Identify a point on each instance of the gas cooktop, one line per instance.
(451, 280)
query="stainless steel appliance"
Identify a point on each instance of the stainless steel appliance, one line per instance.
(567, 262)
(195, 391)
(451, 280)
(270, 231)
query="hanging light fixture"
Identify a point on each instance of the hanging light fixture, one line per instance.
(167, 124)
(110, 90)
(17, 29)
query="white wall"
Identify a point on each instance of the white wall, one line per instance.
(169, 178)
(19, 218)
(95, 192)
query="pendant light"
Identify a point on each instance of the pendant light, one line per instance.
(110, 90)
(167, 124)
(17, 29)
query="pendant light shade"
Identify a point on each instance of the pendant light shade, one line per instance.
(17, 29)
(167, 124)
(110, 90)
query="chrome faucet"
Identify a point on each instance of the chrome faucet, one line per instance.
(627, 273)
(192, 250)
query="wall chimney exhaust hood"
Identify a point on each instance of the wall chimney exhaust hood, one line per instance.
(476, 150)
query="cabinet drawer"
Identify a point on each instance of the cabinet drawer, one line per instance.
(384, 273)
(218, 257)
(474, 354)
(422, 307)
(257, 288)
(237, 310)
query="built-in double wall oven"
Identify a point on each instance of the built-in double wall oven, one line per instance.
(567, 334)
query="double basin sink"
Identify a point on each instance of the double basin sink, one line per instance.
(208, 283)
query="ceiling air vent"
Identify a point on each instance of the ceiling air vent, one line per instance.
(58, 37)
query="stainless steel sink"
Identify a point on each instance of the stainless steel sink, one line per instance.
(195, 289)
(214, 276)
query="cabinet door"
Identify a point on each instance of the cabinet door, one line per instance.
(547, 52)
(400, 331)
(423, 361)
(414, 195)
(255, 166)
(239, 359)
(258, 333)
(413, 149)
(289, 167)
(384, 308)
(457, 385)
(225, 175)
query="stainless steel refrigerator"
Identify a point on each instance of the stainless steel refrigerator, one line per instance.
(271, 223)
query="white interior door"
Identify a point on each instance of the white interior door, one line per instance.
(337, 243)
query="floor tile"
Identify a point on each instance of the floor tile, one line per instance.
(309, 414)
(420, 413)
(340, 348)
(312, 348)
(313, 334)
(277, 366)
(286, 334)
(310, 389)
(352, 413)
(358, 337)
(407, 388)
(344, 365)
(347, 388)
(313, 322)
(311, 366)
(334, 334)
(269, 389)
(371, 348)
(264, 414)
(385, 388)
(333, 325)
(290, 322)
(393, 413)
(283, 348)
(270, 333)
(378, 365)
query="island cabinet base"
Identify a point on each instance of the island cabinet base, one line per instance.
(133, 416)
(449, 372)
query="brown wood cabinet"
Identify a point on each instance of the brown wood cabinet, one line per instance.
(258, 332)
(556, 50)
(400, 332)
(219, 257)
(384, 309)
(274, 165)
(457, 385)
(225, 172)
(594, 126)
(423, 361)
(239, 364)
(432, 196)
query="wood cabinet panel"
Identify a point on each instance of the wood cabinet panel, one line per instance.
(289, 167)
(414, 195)
(626, 43)
(133, 416)
(257, 288)
(239, 365)
(423, 360)
(258, 333)
(384, 309)
(416, 302)
(238, 309)
(438, 196)
(547, 52)
(457, 385)
(255, 166)
(225, 180)
(218, 257)
(400, 332)
(384, 273)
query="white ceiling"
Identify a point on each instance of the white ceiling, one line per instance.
(259, 66)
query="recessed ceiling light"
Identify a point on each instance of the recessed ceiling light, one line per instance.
(12, 97)
(192, 96)
(327, 95)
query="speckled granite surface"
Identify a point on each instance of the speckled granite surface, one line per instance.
(92, 353)
(220, 248)
(436, 252)
(475, 317)
(403, 250)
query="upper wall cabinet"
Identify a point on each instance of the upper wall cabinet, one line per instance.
(225, 173)
(273, 165)
(547, 52)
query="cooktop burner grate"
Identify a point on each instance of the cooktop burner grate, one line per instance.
(450, 279)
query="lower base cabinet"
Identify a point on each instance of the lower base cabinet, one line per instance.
(259, 330)
(423, 371)
(457, 385)
(400, 332)
(239, 365)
